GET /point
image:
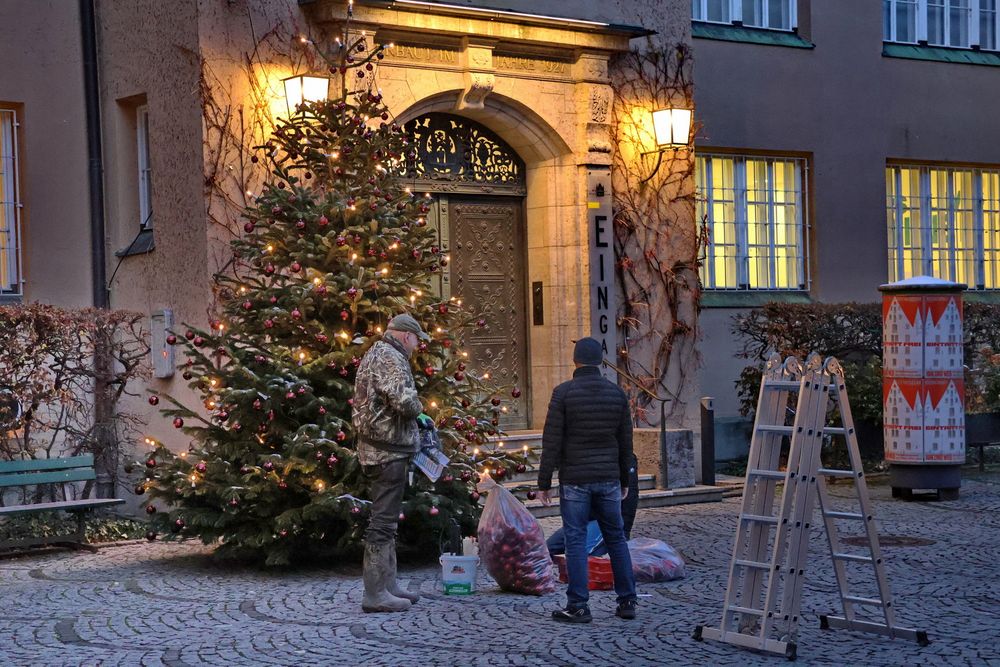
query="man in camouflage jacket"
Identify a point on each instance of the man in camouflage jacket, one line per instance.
(385, 421)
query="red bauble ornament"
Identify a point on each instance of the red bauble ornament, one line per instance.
(290, 394)
(352, 292)
(282, 485)
(248, 227)
(321, 289)
(344, 315)
(151, 536)
(429, 371)
(234, 502)
(480, 323)
(460, 425)
(198, 341)
(247, 305)
(402, 517)
(495, 400)
(466, 475)
(296, 267)
(446, 342)
(189, 334)
(296, 314)
(322, 222)
(341, 436)
(465, 403)
(269, 269)
(201, 467)
(500, 473)
(355, 510)
(273, 300)
(443, 308)
(474, 496)
(422, 347)
(459, 375)
(171, 339)
(447, 478)
(139, 489)
(434, 511)
(268, 323)
(268, 466)
(300, 224)
(332, 461)
(178, 422)
(472, 421)
(521, 467)
(150, 509)
(531, 495)
(154, 400)
(257, 405)
(322, 410)
(461, 366)
(223, 416)
(515, 392)
(178, 525)
(341, 241)
(187, 375)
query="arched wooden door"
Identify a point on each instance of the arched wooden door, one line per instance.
(479, 188)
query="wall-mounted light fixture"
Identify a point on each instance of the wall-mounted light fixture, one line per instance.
(305, 88)
(671, 131)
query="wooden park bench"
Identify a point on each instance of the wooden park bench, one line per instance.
(31, 473)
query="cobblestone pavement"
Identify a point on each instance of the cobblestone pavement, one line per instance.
(163, 604)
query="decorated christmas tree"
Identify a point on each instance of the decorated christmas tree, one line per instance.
(332, 248)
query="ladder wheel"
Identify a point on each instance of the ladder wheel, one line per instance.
(922, 639)
(696, 635)
(824, 624)
(790, 651)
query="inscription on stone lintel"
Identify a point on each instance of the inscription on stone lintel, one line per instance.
(529, 64)
(422, 54)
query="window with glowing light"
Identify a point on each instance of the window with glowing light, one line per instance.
(754, 211)
(944, 222)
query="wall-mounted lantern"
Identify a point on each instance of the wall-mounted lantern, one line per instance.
(671, 130)
(305, 88)
(672, 127)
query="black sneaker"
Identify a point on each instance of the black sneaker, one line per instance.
(626, 610)
(571, 615)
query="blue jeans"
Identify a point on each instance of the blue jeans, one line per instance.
(602, 501)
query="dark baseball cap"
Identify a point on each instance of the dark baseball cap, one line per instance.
(404, 322)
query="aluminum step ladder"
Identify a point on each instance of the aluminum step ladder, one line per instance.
(766, 572)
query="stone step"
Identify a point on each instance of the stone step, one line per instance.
(645, 482)
(647, 499)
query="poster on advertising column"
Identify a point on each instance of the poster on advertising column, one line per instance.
(602, 261)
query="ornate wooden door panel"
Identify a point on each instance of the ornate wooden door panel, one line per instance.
(488, 274)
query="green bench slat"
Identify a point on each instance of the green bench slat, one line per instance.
(32, 465)
(64, 505)
(31, 478)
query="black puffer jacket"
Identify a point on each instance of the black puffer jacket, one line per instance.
(588, 432)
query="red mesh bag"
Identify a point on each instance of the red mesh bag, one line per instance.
(511, 544)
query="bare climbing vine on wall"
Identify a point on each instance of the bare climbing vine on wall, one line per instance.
(657, 240)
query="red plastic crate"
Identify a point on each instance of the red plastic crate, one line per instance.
(600, 575)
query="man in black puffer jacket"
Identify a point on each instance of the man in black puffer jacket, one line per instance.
(588, 437)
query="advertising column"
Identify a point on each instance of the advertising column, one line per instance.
(923, 388)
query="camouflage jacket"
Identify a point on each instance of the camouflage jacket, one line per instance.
(385, 400)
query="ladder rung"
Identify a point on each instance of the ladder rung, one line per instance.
(761, 519)
(773, 428)
(745, 610)
(853, 558)
(790, 384)
(845, 515)
(871, 602)
(834, 430)
(829, 472)
(754, 564)
(769, 474)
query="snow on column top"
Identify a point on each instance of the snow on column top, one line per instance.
(923, 284)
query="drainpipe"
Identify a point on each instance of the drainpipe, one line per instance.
(106, 450)
(95, 162)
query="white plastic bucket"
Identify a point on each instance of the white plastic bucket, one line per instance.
(458, 573)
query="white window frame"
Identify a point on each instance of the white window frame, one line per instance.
(145, 180)
(699, 12)
(740, 204)
(10, 222)
(922, 36)
(922, 203)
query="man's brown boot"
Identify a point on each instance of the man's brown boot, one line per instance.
(375, 576)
